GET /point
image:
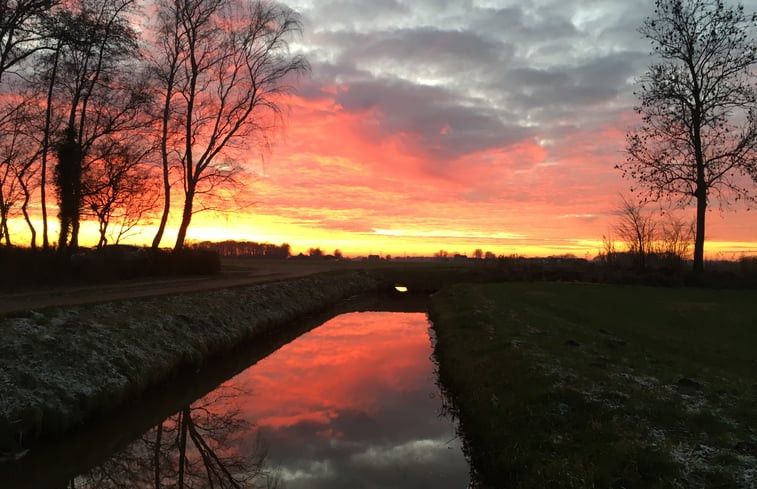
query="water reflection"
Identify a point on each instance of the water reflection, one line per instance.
(195, 448)
(350, 404)
(353, 403)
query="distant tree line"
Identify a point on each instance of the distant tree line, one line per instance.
(112, 106)
(246, 249)
(319, 254)
(478, 254)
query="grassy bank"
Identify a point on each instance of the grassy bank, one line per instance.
(567, 385)
(59, 367)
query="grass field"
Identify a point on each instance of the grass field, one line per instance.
(569, 385)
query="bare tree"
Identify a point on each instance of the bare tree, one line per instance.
(45, 79)
(119, 187)
(68, 187)
(97, 88)
(698, 138)
(636, 228)
(8, 198)
(167, 60)
(21, 35)
(227, 63)
(20, 32)
(28, 175)
(608, 251)
(19, 172)
(676, 237)
(647, 234)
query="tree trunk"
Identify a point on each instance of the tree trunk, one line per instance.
(74, 243)
(164, 157)
(156, 455)
(701, 190)
(4, 228)
(166, 208)
(2, 215)
(186, 217)
(63, 235)
(699, 239)
(43, 198)
(103, 240)
(46, 145)
(27, 218)
(183, 420)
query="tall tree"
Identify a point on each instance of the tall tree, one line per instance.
(68, 186)
(229, 63)
(19, 171)
(22, 34)
(698, 137)
(167, 59)
(97, 90)
(46, 76)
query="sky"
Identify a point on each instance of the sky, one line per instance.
(453, 124)
(428, 125)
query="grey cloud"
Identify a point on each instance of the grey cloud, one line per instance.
(431, 45)
(548, 92)
(457, 78)
(516, 24)
(534, 77)
(422, 52)
(353, 14)
(446, 125)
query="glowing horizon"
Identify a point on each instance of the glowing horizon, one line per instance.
(381, 243)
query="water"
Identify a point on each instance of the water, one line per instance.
(350, 404)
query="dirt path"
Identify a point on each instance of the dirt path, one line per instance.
(130, 289)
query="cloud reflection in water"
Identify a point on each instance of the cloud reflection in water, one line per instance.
(353, 404)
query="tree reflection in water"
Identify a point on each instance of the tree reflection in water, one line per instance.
(189, 450)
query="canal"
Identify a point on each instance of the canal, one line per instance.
(352, 403)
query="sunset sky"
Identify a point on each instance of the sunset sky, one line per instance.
(443, 124)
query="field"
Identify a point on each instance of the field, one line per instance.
(556, 384)
(238, 272)
(568, 385)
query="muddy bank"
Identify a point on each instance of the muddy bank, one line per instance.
(61, 366)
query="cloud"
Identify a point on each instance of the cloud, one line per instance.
(432, 121)
(461, 117)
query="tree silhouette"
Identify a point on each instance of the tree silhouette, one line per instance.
(637, 229)
(20, 35)
(68, 186)
(95, 87)
(226, 63)
(120, 188)
(698, 136)
(193, 448)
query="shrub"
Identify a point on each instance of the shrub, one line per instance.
(24, 267)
